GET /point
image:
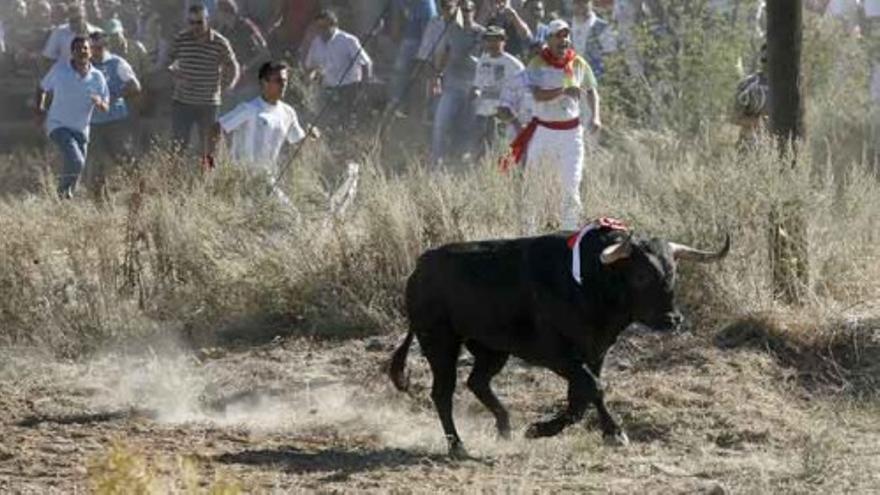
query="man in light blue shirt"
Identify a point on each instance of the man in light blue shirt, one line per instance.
(71, 91)
(113, 131)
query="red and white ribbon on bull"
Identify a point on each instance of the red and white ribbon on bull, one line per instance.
(574, 242)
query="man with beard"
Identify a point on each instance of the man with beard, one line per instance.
(553, 142)
(71, 91)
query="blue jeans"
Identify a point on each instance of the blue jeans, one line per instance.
(73, 146)
(453, 123)
(403, 65)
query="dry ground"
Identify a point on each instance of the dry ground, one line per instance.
(302, 415)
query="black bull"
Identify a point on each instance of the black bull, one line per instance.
(518, 297)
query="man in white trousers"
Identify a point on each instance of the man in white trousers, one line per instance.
(553, 142)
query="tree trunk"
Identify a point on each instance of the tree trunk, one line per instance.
(788, 236)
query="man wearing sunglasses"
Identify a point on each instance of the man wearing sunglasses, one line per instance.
(261, 126)
(202, 60)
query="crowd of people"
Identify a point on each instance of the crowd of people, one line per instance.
(515, 78)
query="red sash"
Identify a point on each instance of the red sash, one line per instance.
(519, 145)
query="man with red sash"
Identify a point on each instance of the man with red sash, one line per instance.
(552, 145)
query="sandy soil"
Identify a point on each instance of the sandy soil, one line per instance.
(301, 415)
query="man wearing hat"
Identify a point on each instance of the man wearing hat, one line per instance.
(132, 51)
(495, 68)
(553, 142)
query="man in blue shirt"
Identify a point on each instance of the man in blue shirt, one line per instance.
(113, 131)
(71, 91)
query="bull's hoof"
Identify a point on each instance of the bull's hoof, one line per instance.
(458, 452)
(618, 439)
(504, 433)
(544, 429)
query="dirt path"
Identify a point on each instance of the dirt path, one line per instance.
(297, 415)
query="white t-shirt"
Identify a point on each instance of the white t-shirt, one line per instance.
(492, 74)
(564, 107)
(259, 130)
(58, 45)
(517, 96)
(334, 56)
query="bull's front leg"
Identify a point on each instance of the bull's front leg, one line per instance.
(612, 433)
(583, 389)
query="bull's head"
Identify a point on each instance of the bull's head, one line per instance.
(648, 268)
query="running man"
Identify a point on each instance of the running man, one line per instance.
(71, 91)
(261, 126)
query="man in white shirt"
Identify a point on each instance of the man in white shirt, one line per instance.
(338, 61)
(261, 126)
(553, 143)
(58, 45)
(494, 69)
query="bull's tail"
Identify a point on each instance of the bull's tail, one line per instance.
(397, 368)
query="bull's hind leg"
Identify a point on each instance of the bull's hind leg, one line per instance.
(583, 390)
(442, 350)
(487, 364)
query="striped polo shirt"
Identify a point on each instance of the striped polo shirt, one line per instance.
(202, 67)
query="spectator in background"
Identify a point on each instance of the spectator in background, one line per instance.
(436, 30)
(535, 16)
(260, 127)
(248, 44)
(518, 33)
(517, 104)
(266, 14)
(202, 65)
(112, 131)
(495, 69)
(59, 42)
(410, 19)
(454, 118)
(70, 92)
(132, 51)
(591, 36)
(337, 60)
(297, 15)
(429, 53)
(751, 104)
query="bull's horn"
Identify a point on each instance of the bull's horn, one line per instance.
(616, 252)
(683, 252)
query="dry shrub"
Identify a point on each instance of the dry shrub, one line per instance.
(175, 250)
(124, 470)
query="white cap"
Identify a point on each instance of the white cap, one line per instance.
(557, 25)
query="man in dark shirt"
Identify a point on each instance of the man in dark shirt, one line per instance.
(249, 46)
